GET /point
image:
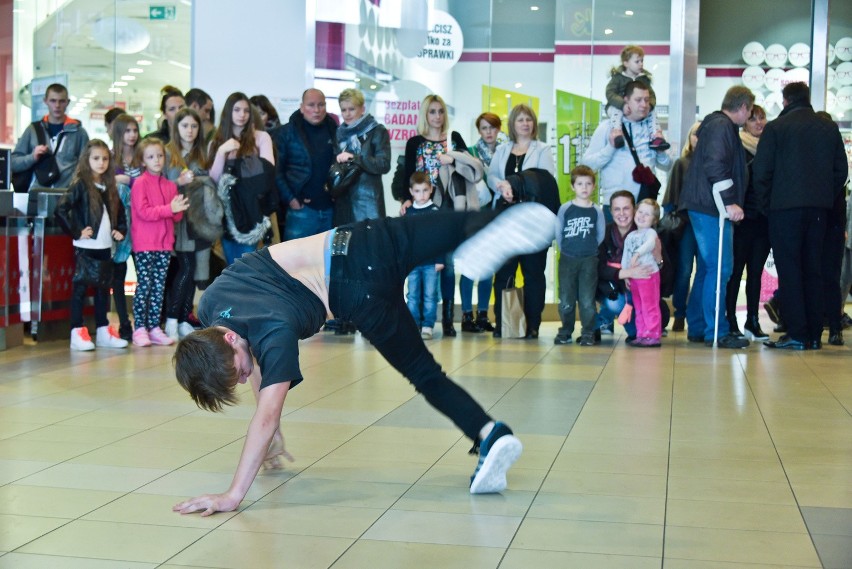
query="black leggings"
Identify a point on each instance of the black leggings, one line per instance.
(119, 272)
(366, 287)
(181, 292)
(751, 248)
(101, 296)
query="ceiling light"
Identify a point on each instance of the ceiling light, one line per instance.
(534, 8)
(372, 86)
(72, 98)
(143, 62)
(84, 101)
(128, 77)
(357, 79)
(136, 70)
(508, 95)
(179, 64)
(90, 94)
(628, 12)
(518, 85)
(114, 90)
(119, 83)
(493, 104)
(607, 31)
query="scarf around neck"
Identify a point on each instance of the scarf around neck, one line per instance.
(349, 136)
(749, 142)
(485, 154)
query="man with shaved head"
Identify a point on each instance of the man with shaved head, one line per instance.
(306, 149)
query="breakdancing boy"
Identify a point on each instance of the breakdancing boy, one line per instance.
(260, 307)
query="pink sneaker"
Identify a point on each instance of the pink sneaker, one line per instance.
(159, 338)
(140, 338)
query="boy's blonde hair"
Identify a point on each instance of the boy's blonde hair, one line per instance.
(654, 205)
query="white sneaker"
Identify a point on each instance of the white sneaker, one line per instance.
(172, 328)
(80, 340)
(184, 329)
(426, 333)
(107, 337)
(521, 229)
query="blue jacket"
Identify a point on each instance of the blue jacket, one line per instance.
(293, 163)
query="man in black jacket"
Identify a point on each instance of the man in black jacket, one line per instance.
(306, 149)
(718, 166)
(799, 170)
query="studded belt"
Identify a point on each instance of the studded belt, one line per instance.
(340, 241)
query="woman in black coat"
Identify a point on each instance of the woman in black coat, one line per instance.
(366, 143)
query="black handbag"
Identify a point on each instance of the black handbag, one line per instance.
(649, 185)
(92, 272)
(341, 177)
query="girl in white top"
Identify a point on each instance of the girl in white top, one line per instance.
(639, 249)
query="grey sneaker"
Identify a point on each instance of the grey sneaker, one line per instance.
(521, 229)
(497, 452)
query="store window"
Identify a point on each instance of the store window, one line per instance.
(109, 53)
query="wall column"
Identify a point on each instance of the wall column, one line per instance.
(254, 46)
(684, 70)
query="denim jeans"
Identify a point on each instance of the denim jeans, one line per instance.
(483, 294)
(306, 222)
(366, 287)
(701, 307)
(687, 251)
(234, 250)
(610, 308)
(423, 291)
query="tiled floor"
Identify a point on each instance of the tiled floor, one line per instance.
(679, 458)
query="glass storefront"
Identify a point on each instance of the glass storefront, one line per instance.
(479, 55)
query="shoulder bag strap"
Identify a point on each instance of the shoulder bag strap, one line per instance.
(630, 145)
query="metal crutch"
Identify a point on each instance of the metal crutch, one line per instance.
(718, 188)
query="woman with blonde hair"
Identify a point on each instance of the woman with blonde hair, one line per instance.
(443, 155)
(522, 152)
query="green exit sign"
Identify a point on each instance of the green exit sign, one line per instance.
(161, 12)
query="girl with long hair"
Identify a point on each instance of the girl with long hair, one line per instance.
(91, 213)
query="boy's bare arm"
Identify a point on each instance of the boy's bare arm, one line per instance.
(263, 426)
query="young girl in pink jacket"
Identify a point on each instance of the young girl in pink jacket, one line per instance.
(155, 207)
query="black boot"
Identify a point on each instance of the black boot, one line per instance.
(447, 320)
(468, 323)
(734, 328)
(752, 329)
(482, 321)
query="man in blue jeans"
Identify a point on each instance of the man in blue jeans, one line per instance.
(306, 148)
(718, 165)
(262, 305)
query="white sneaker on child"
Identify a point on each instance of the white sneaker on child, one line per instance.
(522, 229)
(172, 328)
(107, 337)
(184, 329)
(426, 333)
(80, 340)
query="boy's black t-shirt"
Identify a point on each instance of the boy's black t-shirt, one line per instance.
(258, 300)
